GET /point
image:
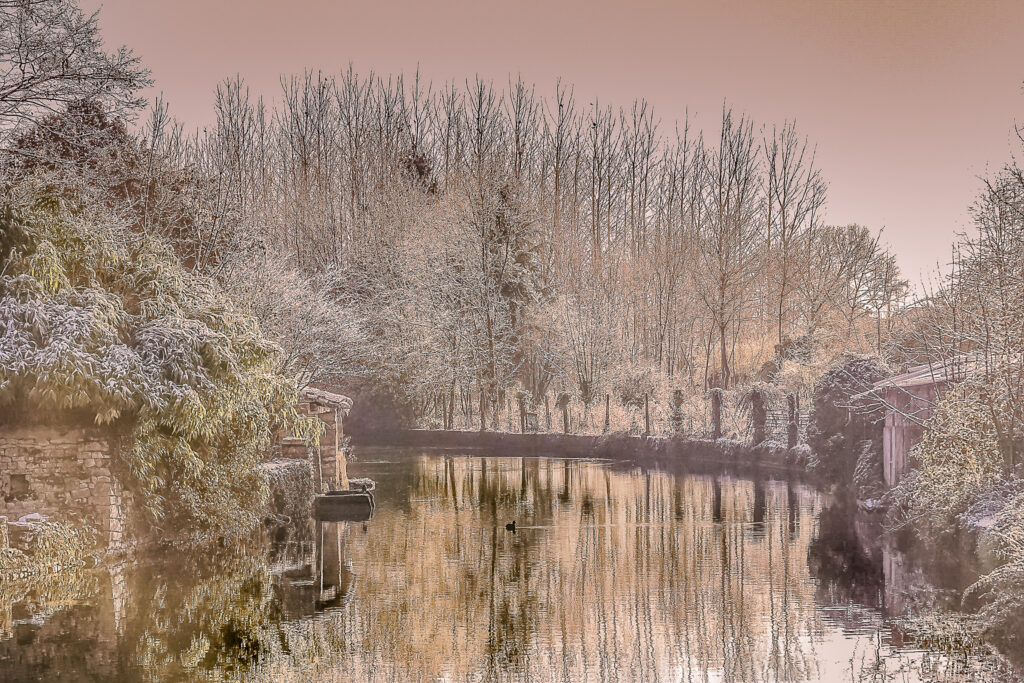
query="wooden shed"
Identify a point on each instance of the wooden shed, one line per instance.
(909, 400)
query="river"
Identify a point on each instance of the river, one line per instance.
(612, 573)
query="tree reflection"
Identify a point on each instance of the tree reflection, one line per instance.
(612, 573)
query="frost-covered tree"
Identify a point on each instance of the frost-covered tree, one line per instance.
(451, 221)
(52, 56)
(845, 433)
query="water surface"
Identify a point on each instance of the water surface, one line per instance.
(613, 573)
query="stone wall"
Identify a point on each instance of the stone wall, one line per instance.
(332, 468)
(63, 473)
(328, 461)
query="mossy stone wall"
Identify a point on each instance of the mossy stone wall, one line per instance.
(65, 474)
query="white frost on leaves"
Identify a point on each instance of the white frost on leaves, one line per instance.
(82, 349)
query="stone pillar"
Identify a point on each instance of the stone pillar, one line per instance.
(340, 463)
(329, 446)
(331, 459)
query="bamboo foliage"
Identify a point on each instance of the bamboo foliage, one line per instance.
(104, 325)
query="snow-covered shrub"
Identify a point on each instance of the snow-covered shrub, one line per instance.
(958, 457)
(1000, 512)
(839, 424)
(101, 323)
(868, 473)
(291, 487)
(958, 485)
(631, 383)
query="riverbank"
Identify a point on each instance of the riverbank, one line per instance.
(769, 456)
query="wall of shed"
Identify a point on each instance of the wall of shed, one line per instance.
(909, 407)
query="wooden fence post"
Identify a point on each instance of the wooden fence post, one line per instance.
(522, 411)
(758, 414)
(647, 416)
(716, 413)
(483, 411)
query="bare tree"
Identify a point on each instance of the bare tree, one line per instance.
(729, 232)
(794, 196)
(52, 56)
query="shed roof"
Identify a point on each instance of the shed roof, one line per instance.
(927, 374)
(915, 377)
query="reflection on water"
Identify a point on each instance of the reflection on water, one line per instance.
(611, 574)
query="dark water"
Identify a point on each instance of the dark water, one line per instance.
(612, 574)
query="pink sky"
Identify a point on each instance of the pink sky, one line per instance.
(909, 101)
